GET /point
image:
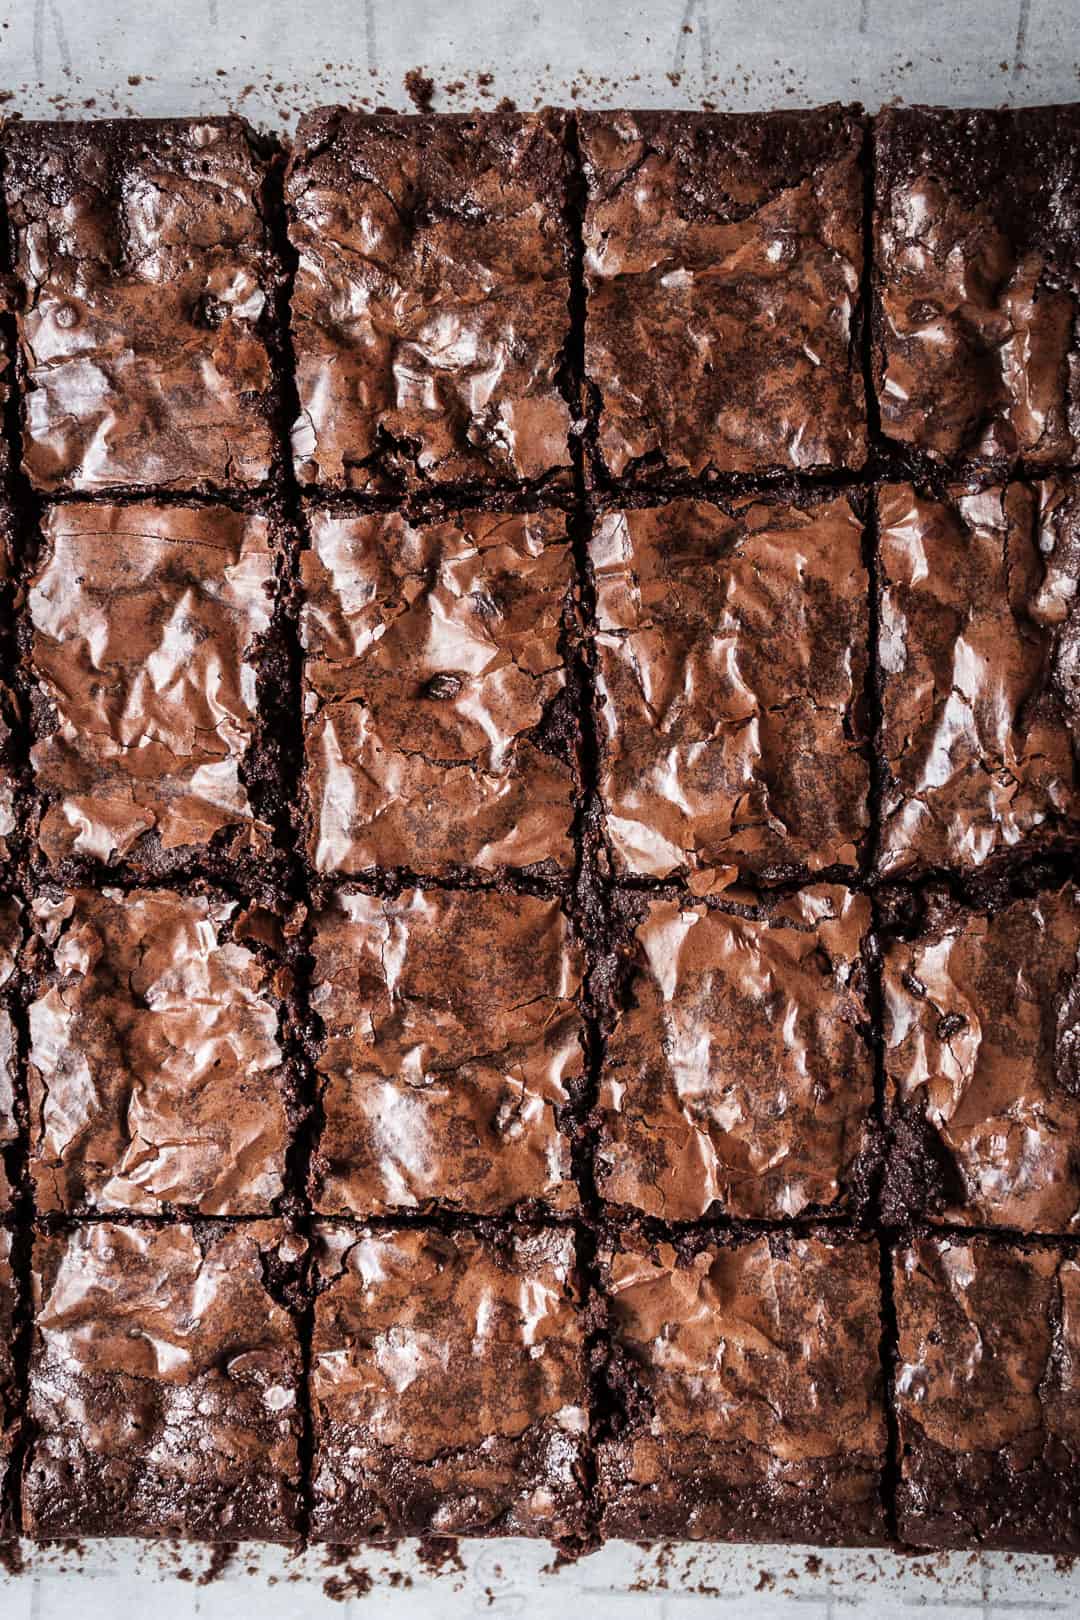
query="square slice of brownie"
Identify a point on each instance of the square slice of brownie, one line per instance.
(732, 652)
(987, 1394)
(746, 1376)
(10, 941)
(982, 1061)
(156, 1074)
(977, 279)
(439, 731)
(723, 256)
(980, 654)
(151, 642)
(453, 1048)
(148, 293)
(448, 1385)
(431, 309)
(9, 1420)
(163, 1384)
(738, 1078)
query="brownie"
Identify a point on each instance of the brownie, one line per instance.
(977, 279)
(979, 657)
(453, 1045)
(151, 636)
(10, 941)
(746, 1385)
(982, 1061)
(732, 652)
(148, 292)
(737, 1078)
(723, 257)
(164, 1381)
(447, 1385)
(11, 830)
(431, 308)
(157, 1078)
(9, 1404)
(987, 1395)
(439, 731)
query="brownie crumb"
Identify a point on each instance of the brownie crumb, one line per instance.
(420, 89)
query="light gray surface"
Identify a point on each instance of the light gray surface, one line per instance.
(122, 1581)
(269, 59)
(200, 55)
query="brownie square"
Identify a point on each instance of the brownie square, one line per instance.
(738, 1079)
(748, 1381)
(977, 276)
(10, 941)
(156, 1073)
(723, 256)
(440, 735)
(447, 1385)
(987, 1395)
(163, 1384)
(431, 308)
(982, 1062)
(452, 1049)
(148, 292)
(151, 639)
(8, 1397)
(979, 658)
(732, 653)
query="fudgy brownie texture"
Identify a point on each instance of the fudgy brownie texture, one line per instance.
(982, 1059)
(439, 730)
(447, 1385)
(156, 1075)
(987, 1395)
(148, 293)
(151, 635)
(453, 1046)
(731, 648)
(749, 1381)
(723, 257)
(9, 1419)
(979, 656)
(977, 278)
(738, 1078)
(10, 941)
(430, 313)
(163, 1384)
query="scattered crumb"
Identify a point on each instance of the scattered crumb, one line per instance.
(420, 89)
(134, 78)
(813, 1564)
(220, 1557)
(355, 1582)
(438, 1553)
(484, 79)
(765, 1581)
(11, 1558)
(506, 105)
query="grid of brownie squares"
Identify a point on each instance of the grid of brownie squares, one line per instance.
(539, 931)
